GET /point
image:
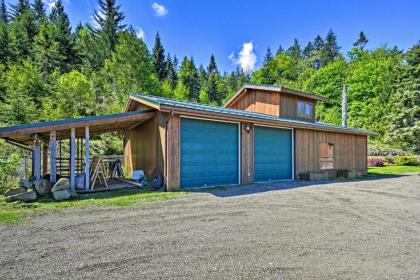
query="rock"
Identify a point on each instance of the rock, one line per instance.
(62, 184)
(42, 187)
(24, 197)
(14, 191)
(25, 183)
(73, 194)
(61, 195)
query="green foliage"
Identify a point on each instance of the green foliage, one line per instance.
(406, 160)
(159, 62)
(8, 167)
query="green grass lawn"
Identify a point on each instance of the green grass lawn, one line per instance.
(393, 170)
(13, 213)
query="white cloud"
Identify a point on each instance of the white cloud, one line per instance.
(140, 33)
(246, 57)
(159, 9)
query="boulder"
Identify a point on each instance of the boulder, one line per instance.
(14, 191)
(24, 197)
(62, 184)
(25, 183)
(42, 187)
(61, 195)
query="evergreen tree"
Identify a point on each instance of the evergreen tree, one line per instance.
(61, 36)
(318, 46)
(295, 51)
(405, 118)
(22, 32)
(330, 51)
(21, 7)
(4, 34)
(212, 68)
(159, 63)
(39, 10)
(211, 87)
(188, 76)
(202, 76)
(4, 16)
(181, 91)
(268, 57)
(361, 42)
(172, 76)
(109, 19)
(279, 50)
(308, 50)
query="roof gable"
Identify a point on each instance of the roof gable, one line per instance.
(277, 89)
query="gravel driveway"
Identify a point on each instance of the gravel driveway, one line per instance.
(368, 229)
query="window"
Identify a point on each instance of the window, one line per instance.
(304, 110)
(326, 156)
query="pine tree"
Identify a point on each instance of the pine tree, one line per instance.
(361, 42)
(295, 51)
(4, 16)
(159, 63)
(4, 34)
(172, 76)
(318, 46)
(405, 119)
(109, 19)
(202, 76)
(268, 57)
(60, 34)
(212, 68)
(279, 50)
(20, 8)
(308, 50)
(330, 50)
(188, 77)
(212, 82)
(39, 10)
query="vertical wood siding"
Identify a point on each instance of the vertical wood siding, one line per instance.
(247, 154)
(350, 151)
(173, 165)
(288, 107)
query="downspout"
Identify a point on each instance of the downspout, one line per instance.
(166, 149)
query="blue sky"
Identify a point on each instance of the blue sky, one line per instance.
(227, 28)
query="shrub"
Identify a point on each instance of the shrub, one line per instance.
(389, 160)
(8, 169)
(406, 160)
(382, 152)
(375, 162)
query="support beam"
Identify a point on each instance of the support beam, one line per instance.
(53, 157)
(36, 158)
(73, 158)
(44, 159)
(87, 159)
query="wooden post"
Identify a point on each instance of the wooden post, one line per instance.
(87, 159)
(44, 159)
(37, 158)
(72, 158)
(53, 158)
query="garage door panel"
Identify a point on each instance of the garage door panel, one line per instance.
(272, 153)
(209, 153)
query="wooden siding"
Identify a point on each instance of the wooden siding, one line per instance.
(173, 164)
(247, 154)
(143, 147)
(272, 103)
(288, 107)
(350, 150)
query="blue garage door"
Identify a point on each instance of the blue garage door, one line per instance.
(209, 153)
(272, 153)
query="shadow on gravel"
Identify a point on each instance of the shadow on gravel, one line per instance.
(238, 190)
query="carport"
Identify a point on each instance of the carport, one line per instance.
(42, 138)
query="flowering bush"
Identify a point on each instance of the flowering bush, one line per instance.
(375, 162)
(406, 160)
(381, 152)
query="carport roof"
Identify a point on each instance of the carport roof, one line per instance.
(161, 103)
(97, 124)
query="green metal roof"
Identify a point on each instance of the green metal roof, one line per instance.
(158, 101)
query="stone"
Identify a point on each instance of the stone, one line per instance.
(24, 197)
(42, 187)
(25, 183)
(73, 194)
(62, 184)
(14, 191)
(319, 176)
(61, 195)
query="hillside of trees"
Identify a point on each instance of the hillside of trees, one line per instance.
(49, 70)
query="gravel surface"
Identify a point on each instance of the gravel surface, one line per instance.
(368, 229)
